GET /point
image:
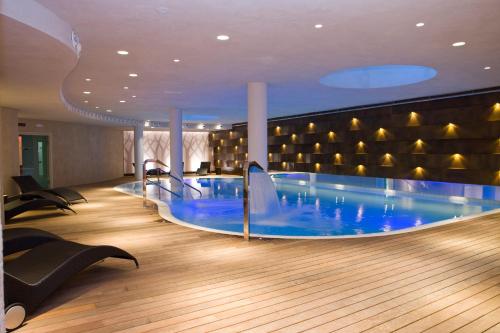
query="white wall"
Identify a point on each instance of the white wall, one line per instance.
(157, 145)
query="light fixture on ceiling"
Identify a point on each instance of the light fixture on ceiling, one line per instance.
(487, 68)
(420, 24)
(219, 126)
(133, 75)
(122, 101)
(223, 37)
(88, 79)
(201, 126)
(318, 26)
(109, 110)
(85, 101)
(122, 52)
(134, 96)
(177, 60)
(458, 44)
(125, 88)
(97, 107)
(87, 92)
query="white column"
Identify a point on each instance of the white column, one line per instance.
(138, 150)
(2, 312)
(257, 123)
(175, 125)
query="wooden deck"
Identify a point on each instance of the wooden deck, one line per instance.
(443, 279)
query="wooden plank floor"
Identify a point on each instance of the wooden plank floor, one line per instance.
(443, 279)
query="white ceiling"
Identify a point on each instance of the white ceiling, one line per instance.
(271, 40)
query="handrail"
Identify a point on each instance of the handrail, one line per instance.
(184, 183)
(246, 192)
(145, 179)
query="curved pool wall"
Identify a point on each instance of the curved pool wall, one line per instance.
(327, 206)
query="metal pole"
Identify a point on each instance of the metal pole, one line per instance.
(144, 180)
(246, 208)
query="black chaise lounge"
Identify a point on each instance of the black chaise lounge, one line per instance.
(204, 169)
(20, 239)
(31, 201)
(33, 276)
(29, 184)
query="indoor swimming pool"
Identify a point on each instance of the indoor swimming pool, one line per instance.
(320, 205)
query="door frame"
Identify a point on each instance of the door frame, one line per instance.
(51, 165)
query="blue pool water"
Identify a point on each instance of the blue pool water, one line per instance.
(329, 205)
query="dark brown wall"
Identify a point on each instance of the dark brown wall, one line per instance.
(460, 141)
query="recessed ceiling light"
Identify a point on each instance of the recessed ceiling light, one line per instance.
(125, 88)
(122, 101)
(85, 101)
(109, 110)
(487, 67)
(223, 37)
(133, 75)
(87, 92)
(201, 126)
(457, 44)
(318, 26)
(88, 79)
(97, 107)
(122, 52)
(134, 96)
(177, 60)
(420, 24)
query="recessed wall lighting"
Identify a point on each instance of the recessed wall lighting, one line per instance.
(122, 52)
(87, 92)
(457, 44)
(109, 110)
(125, 88)
(88, 79)
(177, 60)
(487, 68)
(122, 101)
(420, 24)
(133, 75)
(318, 26)
(223, 37)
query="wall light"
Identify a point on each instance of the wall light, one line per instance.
(241, 140)
(360, 170)
(413, 119)
(235, 147)
(418, 173)
(387, 160)
(277, 130)
(457, 161)
(496, 179)
(283, 165)
(147, 123)
(317, 147)
(294, 137)
(450, 131)
(311, 126)
(381, 134)
(283, 147)
(338, 160)
(495, 113)
(331, 136)
(300, 158)
(355, 124)
(317, 167)
(418, 147)
(361, 148)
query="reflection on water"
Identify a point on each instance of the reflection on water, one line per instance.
(314, 211)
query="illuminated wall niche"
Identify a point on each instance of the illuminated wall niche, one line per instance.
(495, 112)
(387, 160)
(317, 167)
(418, 147)
(361, 148)
(360, 170)
(418, 173)
(450, 131)
(317, 148)
(338, 159)
(457, 161)
(413, 119)
(355, 124)
(331, 136)
(381, 134)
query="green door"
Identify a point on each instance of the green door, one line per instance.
(35, 158)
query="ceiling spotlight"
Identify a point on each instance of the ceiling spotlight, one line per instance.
(122, 101)
(487, 67)
(97, 107)
(109, 110)
(133, 75)
(457, 44)
(134, 96)
(85, 101)
(125, 88)
(223, 37)
(318, 26)
(420, 24)
(177, 60)
(88, 79)
(122, 52)
(201, 126)
(87, 92)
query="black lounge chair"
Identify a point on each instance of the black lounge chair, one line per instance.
(20, 239)
(33, 276)
(204, 169)
(16, 205)
(156, 172)
(29, 184)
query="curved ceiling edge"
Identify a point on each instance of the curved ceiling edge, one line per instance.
(33, 14)
(97, 116)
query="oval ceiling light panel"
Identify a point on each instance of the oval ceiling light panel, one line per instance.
(384, 76)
